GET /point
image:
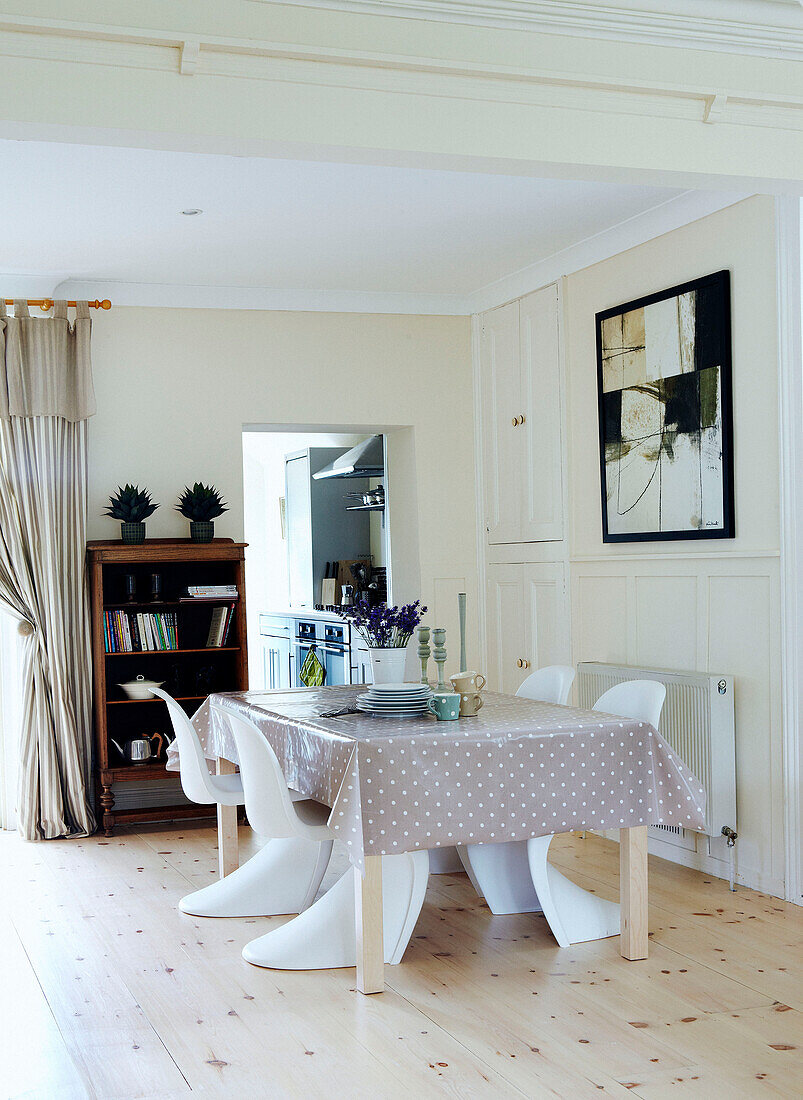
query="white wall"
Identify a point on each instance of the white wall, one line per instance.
(175, 388)
(710, 606)
(267, 575)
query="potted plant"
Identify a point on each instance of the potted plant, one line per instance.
(201, 505)
(132, 506)
(387, 630)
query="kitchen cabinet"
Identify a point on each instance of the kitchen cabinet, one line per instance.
(276, 672)
(521, 420)
(276, 641)
(527, 621)
(361, 666)
(319, 528)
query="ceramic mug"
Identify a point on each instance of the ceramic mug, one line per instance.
(470, 704)
(445, 705)
(467, 682)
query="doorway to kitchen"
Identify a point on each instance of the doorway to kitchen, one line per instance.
(316, 506)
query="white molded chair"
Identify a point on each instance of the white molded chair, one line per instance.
(500, 873)
(284, 875)
(550, 684)
(639, 700)
(198, 783)
(324, 935)
(576, 915)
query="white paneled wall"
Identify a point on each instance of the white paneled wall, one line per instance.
(700, 606)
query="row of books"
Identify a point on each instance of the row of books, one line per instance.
(132, 632)
(220, 626)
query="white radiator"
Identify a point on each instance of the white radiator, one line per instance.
(697, 721)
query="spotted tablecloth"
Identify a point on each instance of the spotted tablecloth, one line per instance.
(516, 770)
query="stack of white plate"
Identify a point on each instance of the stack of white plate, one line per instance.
(395, 700)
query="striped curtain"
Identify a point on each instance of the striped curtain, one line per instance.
(45, 396)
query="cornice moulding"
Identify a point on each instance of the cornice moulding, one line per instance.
(770, 28)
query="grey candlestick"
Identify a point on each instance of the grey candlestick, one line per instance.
(439, 653)
(423, 651)
(461, 607)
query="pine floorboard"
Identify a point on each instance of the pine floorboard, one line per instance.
(110, 993)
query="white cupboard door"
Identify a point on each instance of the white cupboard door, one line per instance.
(528, 622)
(507, 621)
(546, 610)
(541, 500)
(500, 391)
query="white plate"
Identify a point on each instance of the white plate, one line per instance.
(422, 701)
(393, 704)
(393, 711)
(386, 697)
(394, 700)
(391, 688)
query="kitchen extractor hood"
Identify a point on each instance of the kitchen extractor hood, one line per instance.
(364, 460)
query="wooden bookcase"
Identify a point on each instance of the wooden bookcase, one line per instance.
(190, 672)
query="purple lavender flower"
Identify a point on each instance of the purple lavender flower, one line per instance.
(384, 627)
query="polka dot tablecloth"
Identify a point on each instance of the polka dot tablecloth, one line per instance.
(516, 770)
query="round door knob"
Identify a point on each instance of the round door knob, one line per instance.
(525, 664)
(520, 663)
(515, 422)
(521, 419)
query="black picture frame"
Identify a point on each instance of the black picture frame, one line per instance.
(716, 288)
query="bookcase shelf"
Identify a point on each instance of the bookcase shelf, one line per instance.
(194, 671)
(168, 652)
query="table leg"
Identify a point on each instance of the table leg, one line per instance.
(633, 897)
(370, 937)
(227, 841)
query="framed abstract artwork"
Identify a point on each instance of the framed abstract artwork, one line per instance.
(665, 414)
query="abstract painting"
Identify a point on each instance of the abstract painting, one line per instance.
(665, 417)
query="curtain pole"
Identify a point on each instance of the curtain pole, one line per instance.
(47, 303)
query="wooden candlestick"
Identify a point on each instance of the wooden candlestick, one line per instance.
(439, 653)
(423, 651)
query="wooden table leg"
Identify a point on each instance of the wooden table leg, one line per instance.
(370, 938)
(227, 841)
(633, 897)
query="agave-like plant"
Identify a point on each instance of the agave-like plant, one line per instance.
(201, 503)
(130, 504)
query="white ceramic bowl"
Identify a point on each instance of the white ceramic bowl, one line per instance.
(140, 688)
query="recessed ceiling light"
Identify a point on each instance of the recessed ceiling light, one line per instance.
(192, 210)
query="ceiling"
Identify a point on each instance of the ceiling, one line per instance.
(90, 214)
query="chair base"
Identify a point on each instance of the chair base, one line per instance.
(500, 873)
(444, 861)
(283, 877)
(324, 937)
(575, 915)
(516, 877)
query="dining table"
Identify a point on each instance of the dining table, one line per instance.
(518, 769)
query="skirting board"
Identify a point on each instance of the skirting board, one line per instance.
(709, 865)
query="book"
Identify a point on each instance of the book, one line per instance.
(212, 591)
(134, 632)
(217, 626)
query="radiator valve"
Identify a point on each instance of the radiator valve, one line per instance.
(730, 835)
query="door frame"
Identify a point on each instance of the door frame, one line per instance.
(790, 398)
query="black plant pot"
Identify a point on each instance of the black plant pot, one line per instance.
(202, 531)
(132, 534)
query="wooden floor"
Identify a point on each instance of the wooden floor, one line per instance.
(108, 991)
